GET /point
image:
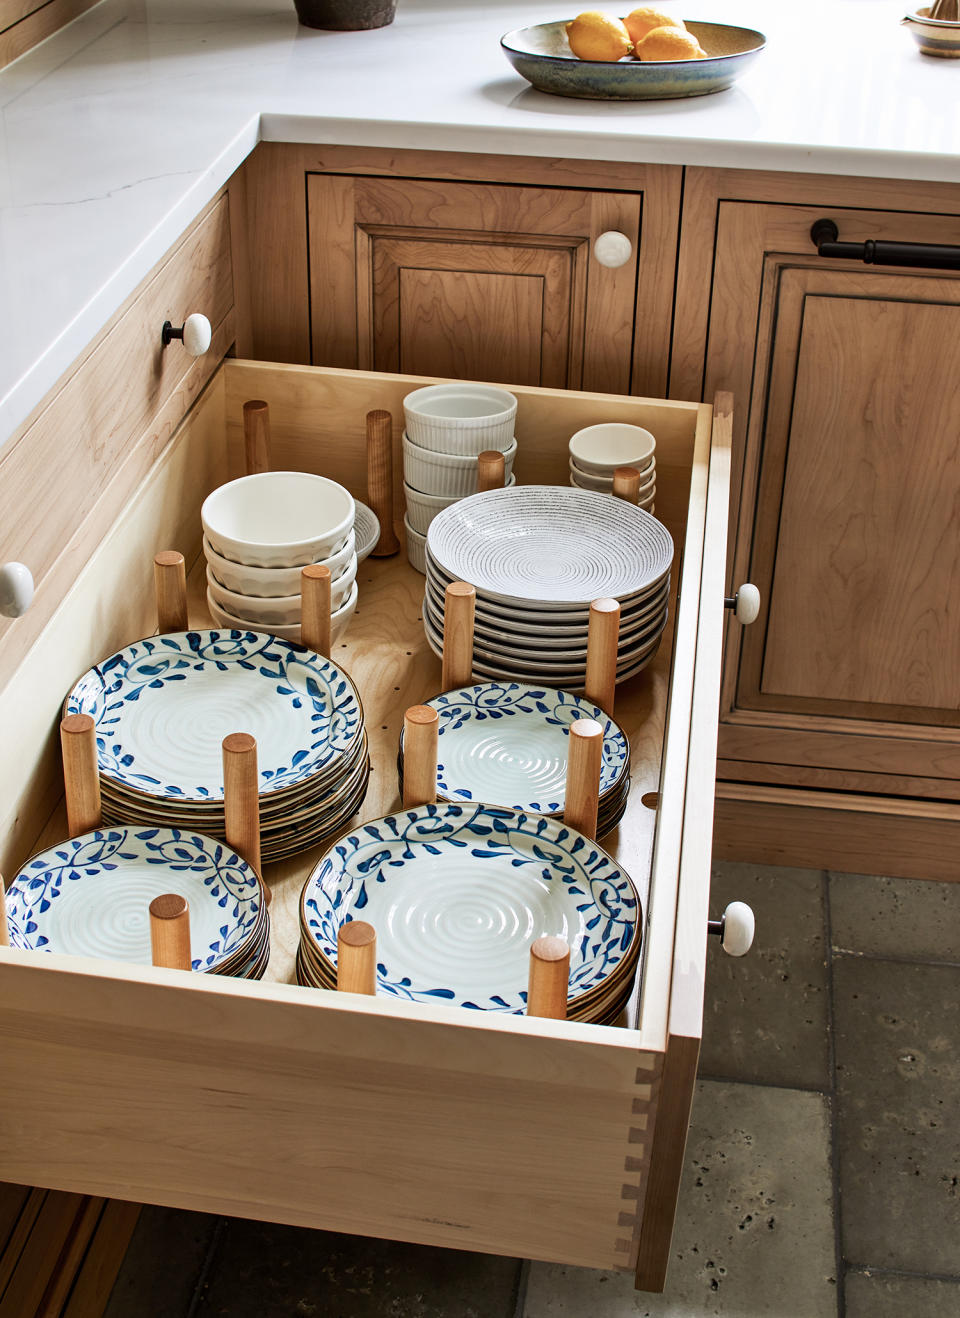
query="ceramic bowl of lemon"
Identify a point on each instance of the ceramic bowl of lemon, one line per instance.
(542, 54)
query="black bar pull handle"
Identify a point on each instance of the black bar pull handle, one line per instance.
(927, 256)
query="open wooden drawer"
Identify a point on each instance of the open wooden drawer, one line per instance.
(519, 1136)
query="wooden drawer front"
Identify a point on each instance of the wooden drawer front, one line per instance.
(64, 477)
(848, 486)
(470, 280)
(539, 1138)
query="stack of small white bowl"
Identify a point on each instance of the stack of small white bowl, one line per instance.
(259, 531)
(597, 451)
(448, 426)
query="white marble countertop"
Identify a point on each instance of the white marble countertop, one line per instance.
(119, 129)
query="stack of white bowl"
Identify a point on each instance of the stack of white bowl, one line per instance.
(448, 426)
(597, 451)
(259, 531)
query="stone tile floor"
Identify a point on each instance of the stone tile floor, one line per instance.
(822, 1173)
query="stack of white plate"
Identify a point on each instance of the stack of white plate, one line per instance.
(91, 895)
(163, 706)
(260, 530)
(597, 451)
(538, 556)
(448, 426)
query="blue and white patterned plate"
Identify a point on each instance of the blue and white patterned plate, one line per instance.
(163, 706)
(457, 894)
(506, 743)
(90, 895)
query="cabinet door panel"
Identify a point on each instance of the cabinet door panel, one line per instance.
(475, 280)
(847, 498)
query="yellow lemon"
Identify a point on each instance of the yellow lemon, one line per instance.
(642, 21)
(669, 43)
(597, 36)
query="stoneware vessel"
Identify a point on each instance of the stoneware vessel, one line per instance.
(345, 15)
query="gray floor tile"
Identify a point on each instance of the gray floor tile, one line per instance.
(765, 1014)
(754, 1233)
(268, 1271)
(895, 917)
(898, 1095)
(885, 1296)
(163, 1264)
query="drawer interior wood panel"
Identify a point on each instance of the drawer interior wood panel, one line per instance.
(66, 475)
(367, 1115)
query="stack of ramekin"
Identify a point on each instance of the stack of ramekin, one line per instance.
(448, 426)
(259, 531)
(597, 451)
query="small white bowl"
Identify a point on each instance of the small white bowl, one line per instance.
(272, 582)
(416, 548)
(338, 620)
(450, 474)
(599, 449)
(460, 418)
(646, 496)
(423, 508)
(277, 518)
(281, 609)
(587, 481)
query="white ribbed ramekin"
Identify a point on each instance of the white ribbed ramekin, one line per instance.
(416, 548)
(423, 508)
(445, 473)
(460, 418)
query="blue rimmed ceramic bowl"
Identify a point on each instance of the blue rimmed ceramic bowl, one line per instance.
(542, 55)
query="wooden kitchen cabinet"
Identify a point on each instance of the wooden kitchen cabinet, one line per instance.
(471, 267)
(846, 488)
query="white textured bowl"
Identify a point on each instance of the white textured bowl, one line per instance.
(271, 582)
(599, 449)
(423, 508)
(460, 418)
(366, 528)
(450, 474)
(338, 620)
(416, 548)
(587, 481)
(277, 518)
(281, 609)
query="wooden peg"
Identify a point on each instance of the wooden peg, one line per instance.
(81, 777)
(459, 607)
(626, 484)
(315, 608)
(170, 588)
(421, 724)
(4, 927)
(256, 435)
(549, 978)
(380, 479)
(603, 639)
(170, 931)
(241, 798)
(582, 797)
(357, 958)
(490, 470)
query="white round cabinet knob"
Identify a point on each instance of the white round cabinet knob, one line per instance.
(195, 333)
(613, 249)
(735, 929)
(745, 604)
(16, 589)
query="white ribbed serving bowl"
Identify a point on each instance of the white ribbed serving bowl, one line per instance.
(338, 620)
(460, 418)
(271, 582)
(284, 610)
(448, 474)
(600, 449)
(423, 508)
(278, 518)
(416, 548)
